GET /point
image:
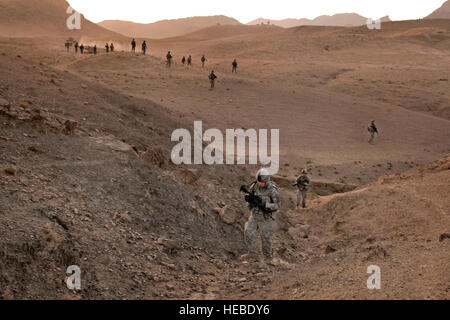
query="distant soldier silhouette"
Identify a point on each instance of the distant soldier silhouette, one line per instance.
(372, 128)
(189, 61)
(111, 47)
(107, 48)
(95, 49)
(82, 49)
(144, 47)
(133, 46)
(234, 64)
(169, 58)
(302, 183)
(76, 47)
(212, 78)
(183, 60)
(203, 60)
(67, 45)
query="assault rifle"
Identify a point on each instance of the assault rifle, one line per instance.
(256, 202)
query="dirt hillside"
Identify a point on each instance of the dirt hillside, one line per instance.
(442, 13)
(44, 18)
(165, 28)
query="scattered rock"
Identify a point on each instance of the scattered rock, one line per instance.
(444, 236)
(70, 126)
(299, 231)
(113, 143)
(227, 215)
(34, 149)
(155, 156)
(376, 251)
(189, 176)
(169, 244)
(3, 103)
(24, 105)
(329, 249)
(12, 171)
(170, 286)
(125, 217)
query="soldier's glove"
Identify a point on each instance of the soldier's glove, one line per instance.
(248, 198)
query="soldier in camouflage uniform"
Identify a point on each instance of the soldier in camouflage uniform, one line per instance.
(372, 128)
(263, 221)
(302, 184)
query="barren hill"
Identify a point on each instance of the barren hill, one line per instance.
(442, 13)
(44, 18)
(340, 19)
(166, 28)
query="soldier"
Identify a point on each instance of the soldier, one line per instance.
(111, 47)
(82, 49)
(262, 218)
(76, 47)
(372, 128)
(67, 45)
(107, 48)
(95, 49)
(234, 64)
(212, 79)
(183, 60)
(144, 47)
(133, 46)
(302, 183)
(203, 60)
(169, 59)
(189, 61)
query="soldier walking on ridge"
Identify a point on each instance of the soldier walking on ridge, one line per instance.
(234, 64)
(372, 128)
(203, 60)
(144, 47)
(212, 79)
(168, 59)
(302, 183)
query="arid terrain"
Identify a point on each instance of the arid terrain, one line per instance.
(86, 177)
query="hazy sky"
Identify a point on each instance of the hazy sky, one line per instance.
(146, 11)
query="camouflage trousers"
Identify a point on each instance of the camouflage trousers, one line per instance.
(257, 223)
(212, 83)
(372, 137)
(301, 198)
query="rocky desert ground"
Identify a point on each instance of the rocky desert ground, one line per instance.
(86, 176)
